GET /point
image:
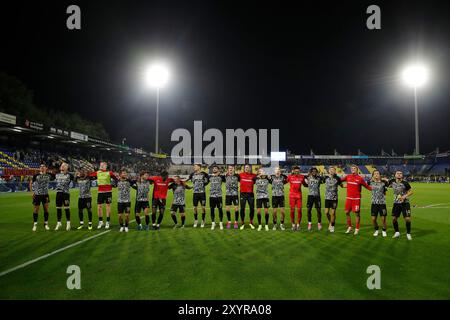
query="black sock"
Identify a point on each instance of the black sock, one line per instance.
(236, 215)
(126, 223)
(259, 218)
(228, 215)
(220, 214)
(100, 218)
(213, 215)
(377, 227)
(90, 216)
(183, 219)
(203, 216)
(108, 219)
(59, 214)
(319, 217)
(242, 215)
(174, 218)
(67, 210)
(384, 229)
(332, 223)
(267, 218)
(153, 218)
(252, 214)
(282, 221)
(138, 219)
(408, 226)
(80, 215)
(45, 217)
(147, 220)
(35, 217)
(395, 223)
(160, 217)
(309, 216)
(195, 216)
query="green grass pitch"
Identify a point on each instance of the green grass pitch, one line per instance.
(228, 264)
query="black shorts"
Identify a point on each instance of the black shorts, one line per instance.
(401, 208)
(313, 201)
(231, 200)
(215, 202)
(43, 198)
(62, 199)
(331, 204)
(159, 203)
(141, 205)
(123, 207)
(104, 197)
(247, 197)
(278, 201)
(177, 207)
(378, 209)
(84, 203)
(262, 203)
(199, 198)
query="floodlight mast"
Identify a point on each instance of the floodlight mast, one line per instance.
(415, 76)
(157, 76)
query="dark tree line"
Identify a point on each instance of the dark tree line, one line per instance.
(17, 99)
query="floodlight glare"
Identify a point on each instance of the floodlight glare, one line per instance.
(156, 76)
(415, 75)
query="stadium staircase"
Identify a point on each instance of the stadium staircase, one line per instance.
(363, 170)
(7, 161)
(321, 169)
(78, 164)
(370, 168)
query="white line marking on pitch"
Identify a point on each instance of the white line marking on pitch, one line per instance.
(433, 205)
(23, 265)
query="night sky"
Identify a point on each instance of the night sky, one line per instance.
(313, 70)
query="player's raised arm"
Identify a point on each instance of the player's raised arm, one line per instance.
(186, 186)
(172, 186)
(52, 175)
(304, 183)
(365, 184)
(114, 176)
(340, 183)
(206, 178)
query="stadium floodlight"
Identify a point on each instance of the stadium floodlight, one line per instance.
(156, 76)
(415, 76)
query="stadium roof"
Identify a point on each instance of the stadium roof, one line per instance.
(12, 125)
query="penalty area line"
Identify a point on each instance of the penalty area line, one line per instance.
(47, 255)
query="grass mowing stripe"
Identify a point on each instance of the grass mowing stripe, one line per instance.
(23, 265)
(45, 256)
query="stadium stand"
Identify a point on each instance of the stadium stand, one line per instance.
(8, 160)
